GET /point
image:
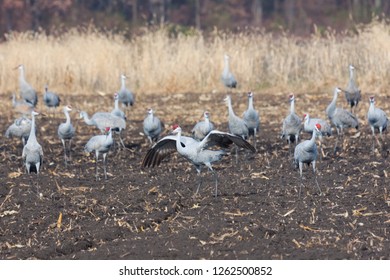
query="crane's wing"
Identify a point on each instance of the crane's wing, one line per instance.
(163, 148)
(224, 140)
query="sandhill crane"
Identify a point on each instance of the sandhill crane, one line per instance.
(126, 97)
(202, 128)
(32, 152)
(377, 119)
(340, 117)
(100, 144)
(105, 119)
(66, 132)
(51, 99)
(227, 77)
(292, 125)
(236, 125)
(152, 126)
(196, 152)
(27, 92)
(116, 111)
(22, 107)
(20, 128)
(309, 125)
(252, 119)
(352, 93)
(306, 152)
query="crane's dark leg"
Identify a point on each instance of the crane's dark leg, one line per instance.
(215, 178)
(65, 157)
(198, 170)
(120, 138)
(301, 180)
(315, 176)
(337, 141)
(105, 165)
(70, 149)
(96, 165)
(254, 137)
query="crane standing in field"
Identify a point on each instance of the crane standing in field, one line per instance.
(340, 117)
(309, 125)
(126, 97)
(352, 93)
(202, 128)
(51, 99)
(66, 132)
(195, 151)
(252, 119)
(227, 77)
(100, 144)
(236, 125)
(377, 119)
(292, 125)
(27, 92)
(105, 119)
(32, 152)
(306, 152)
(20, 128)
(152, 126)
(116, 111)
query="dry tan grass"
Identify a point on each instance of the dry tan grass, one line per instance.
(91, 61)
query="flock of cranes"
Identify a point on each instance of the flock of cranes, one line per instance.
(206, 145)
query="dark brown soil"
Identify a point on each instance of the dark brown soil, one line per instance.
(153, 214)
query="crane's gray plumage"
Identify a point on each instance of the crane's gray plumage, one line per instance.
(292, 124)
(152, 126)
(66, 132)
(309, 125)
(126, 97)
(236, 124)
(377, 119)
(27, 92)
(195, 151)
(252, 119)
(100, 144)
(105, 119)
(51, 99)
(352, 93)
(202, 128)
(227, 77)
(116, 111)
(32, 152)
(306, 152)
(340, 118)
(20, 128)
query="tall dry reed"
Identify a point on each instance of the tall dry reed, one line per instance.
(155, 62)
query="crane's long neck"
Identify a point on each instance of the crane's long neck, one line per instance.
(371, 109)
(123, 83)
(67, 118)
(351, 75)
(116, 103)
(332, 106)
(32, 135)
(250, 103)
(226, 68)
(313, 137)
(179, 148)
(87, 120)
(21, 71)
(207, 120)
(292, 107)
(230, 108)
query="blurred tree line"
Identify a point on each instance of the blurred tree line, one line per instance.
(297, 16)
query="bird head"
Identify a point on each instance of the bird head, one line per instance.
(206, 114)
(372, 99)
(34, 113)
(305, 117)
(291, 97)
(123, 77)
(226, 56)
(227, 99)
(250, 94)
(337, 90)
(107, 129)
(20, 66)
(351, 67)
(116, 96)
(68, 108)
(176, 129)
(318, 129)
(150, 111)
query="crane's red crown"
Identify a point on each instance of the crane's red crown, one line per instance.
(175, 126)
(318, 126)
